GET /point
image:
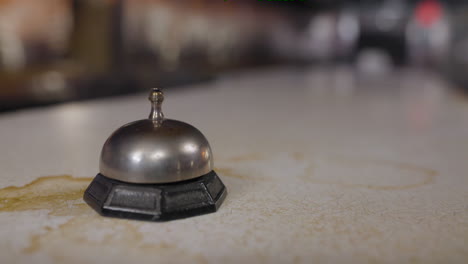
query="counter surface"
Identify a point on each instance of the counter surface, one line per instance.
(318, 164)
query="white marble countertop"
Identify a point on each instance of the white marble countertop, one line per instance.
(319, 168)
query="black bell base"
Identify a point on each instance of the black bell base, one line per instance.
(156, 202)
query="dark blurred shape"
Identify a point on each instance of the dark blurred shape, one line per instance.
(60, 50)
(456, 66)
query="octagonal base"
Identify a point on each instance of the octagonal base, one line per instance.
(155, 202)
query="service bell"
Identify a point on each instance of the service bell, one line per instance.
(156, 169)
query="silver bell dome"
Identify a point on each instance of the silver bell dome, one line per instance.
(156, 150)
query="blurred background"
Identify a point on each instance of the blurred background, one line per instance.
(54, 51)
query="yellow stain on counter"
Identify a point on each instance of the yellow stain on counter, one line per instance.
(62, 195)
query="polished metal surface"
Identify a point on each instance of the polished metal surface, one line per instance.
(156, 98)
(156, 150)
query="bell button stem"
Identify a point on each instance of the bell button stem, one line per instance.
(156, 98)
